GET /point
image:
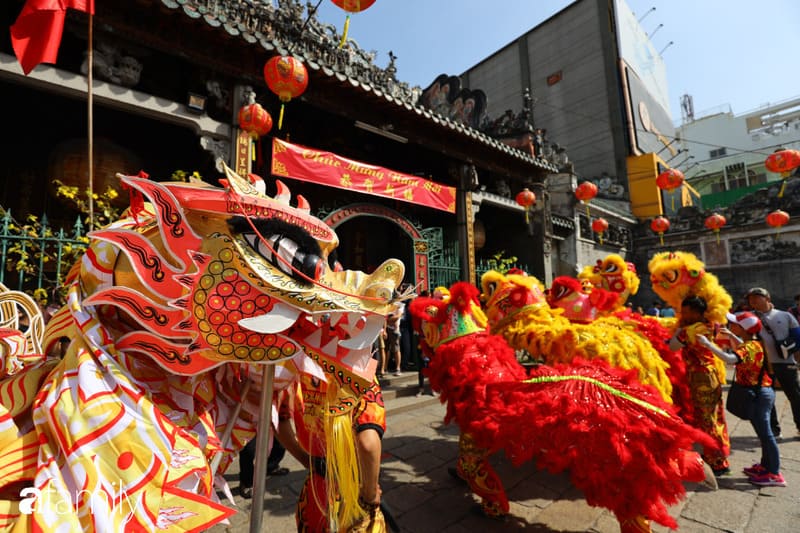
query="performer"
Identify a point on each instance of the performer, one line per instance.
(704, 382)
(342, 491)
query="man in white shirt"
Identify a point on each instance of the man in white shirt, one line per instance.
(778, 325)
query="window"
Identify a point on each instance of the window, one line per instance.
(719, 152)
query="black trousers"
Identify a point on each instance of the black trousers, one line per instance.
(247, 459)
(786, 375)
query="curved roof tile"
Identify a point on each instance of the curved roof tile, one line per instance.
(239, 28)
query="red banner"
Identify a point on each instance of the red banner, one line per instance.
(326, 168)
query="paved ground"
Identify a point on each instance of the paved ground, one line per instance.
(424, 498)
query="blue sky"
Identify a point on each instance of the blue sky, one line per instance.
(734, 52)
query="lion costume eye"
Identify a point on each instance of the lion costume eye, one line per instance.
(611, 268)
(287, 256)
(490, 288)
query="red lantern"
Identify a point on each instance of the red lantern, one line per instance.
(715, 222)
(354, 6)
(660, 225)
(599, 226)
(287, 77)
(783, 162)
(778, 219)
(255, 120)
(585, 192)
(526, 199)
(670, 180)
(351, 6)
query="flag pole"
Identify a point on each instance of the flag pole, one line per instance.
(90, 118)
(262, 445)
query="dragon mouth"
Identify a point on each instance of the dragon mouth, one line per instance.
(340, 340)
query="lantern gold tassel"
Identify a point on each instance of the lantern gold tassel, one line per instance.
(344, 32)
(783, 184)
(280, 117)
(661, 237)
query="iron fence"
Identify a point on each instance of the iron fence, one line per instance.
(36, 256)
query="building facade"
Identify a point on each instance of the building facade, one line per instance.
(728, 151)
(599, 89)
(169, 80)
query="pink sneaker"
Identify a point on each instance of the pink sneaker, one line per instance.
(769, 480)
(756, 470)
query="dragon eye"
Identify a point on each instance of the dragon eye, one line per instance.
(561, 291)
(491, 287)
(671, 276)
(283, 253)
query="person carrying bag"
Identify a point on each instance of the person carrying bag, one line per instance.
(753, 395)
(778, 326)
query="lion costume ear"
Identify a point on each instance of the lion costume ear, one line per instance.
(428, 309)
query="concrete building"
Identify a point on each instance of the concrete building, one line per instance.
(727, 151)
(599, 90)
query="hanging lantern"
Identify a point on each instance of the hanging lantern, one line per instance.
(585, 192)
(660, 225)
(351, 6)
(287, 77)
(599, 226)
(257, 122)
(783, 162)
(715, 222)
(526, 198)
(669, 180)
(777, 219)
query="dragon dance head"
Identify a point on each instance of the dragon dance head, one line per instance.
(505, 295)
(209, 275)
(456, 316)
(676, 275)
(580, 300)
(615, 274)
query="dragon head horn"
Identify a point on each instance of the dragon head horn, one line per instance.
(253, 185)
(241, 186)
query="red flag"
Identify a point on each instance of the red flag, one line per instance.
(36, 35)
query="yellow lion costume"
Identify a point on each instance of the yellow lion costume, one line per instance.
(614, 274)
(518, 311)
(676, 275)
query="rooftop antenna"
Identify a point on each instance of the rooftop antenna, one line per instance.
(655, 30)
(687, 109)
(668, 45)
(648, 12)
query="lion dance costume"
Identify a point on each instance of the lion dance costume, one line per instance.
(170, 313)
(622, 444)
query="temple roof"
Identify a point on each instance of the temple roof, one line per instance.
(287, 29)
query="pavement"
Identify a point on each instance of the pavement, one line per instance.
(423, 497)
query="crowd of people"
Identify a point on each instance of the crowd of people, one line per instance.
(760, 340)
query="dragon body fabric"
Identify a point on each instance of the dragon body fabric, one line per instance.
(622, 444)
(171, 315)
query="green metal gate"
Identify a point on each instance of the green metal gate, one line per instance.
(35, 256)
